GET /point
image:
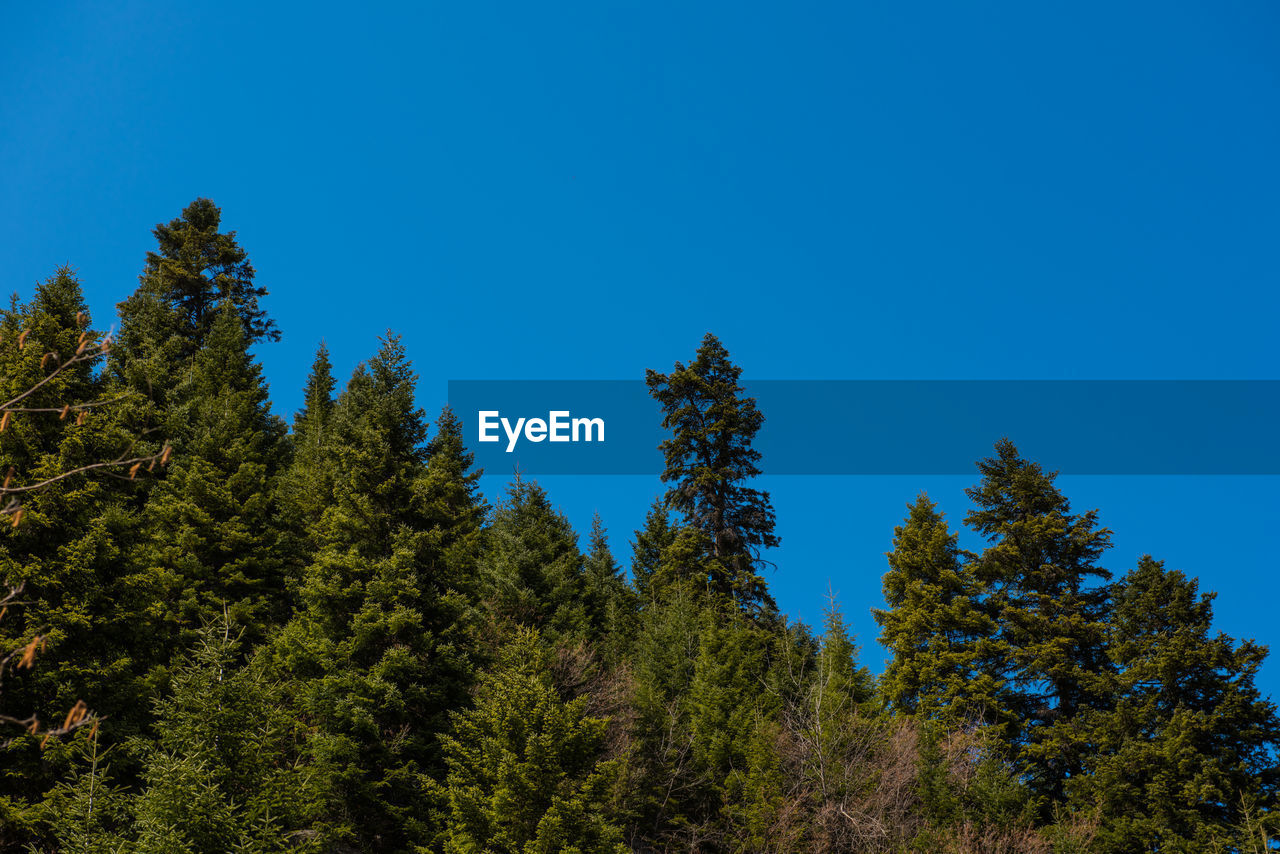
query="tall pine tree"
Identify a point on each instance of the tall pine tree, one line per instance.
(936, 627)
(1188, 751)
(709, 460)
(373, 653)
(211, 542)
(1044, 589)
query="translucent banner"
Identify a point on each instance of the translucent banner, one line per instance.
(845, 427)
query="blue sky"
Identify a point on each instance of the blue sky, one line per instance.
(852, 190)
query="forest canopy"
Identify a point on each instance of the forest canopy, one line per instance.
(320, 637)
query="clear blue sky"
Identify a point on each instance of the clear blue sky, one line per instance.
(843, 190)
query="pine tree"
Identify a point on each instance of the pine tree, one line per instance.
(610, 602)
(726, 710)
(525, 766)
(211, 539)
(709, 459)
(1189, 747)
(647, 549)
(305, 488)
(317, 400)
(663, 785)
(532, 568)
(837, 669)
(1041, 578)
(66, 550)
(223, 774)
(936, 627)
(182, 286)
(455, 508)
(373, 653)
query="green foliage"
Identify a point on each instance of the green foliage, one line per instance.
(532, 569)
(610, 602)
(708, 460)
(196, 269)
(379, 650)
(1187, 751)
(223, 773)
(305, 488)
(1040, 577)
(210, 542)
(417, 674)
(525, 768)
(67, 551)
(936, 627)
(647, 549)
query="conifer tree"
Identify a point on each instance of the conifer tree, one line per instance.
(709, 460)
(373, 653)
(727, 710)
(1044, 592)
(609, 600)
(62, 545)
(455, 508)
(837, 666)
(211, 539)
(184, 283)
(936, 627)
(663, 785)
(648, 547)
(317, 400)
(305, 488)
(525, 766)
(223, 774)
(1188, 750)
(532, 567)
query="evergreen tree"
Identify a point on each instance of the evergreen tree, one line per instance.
(1189, 748)
(837, 668)
(211, 539)
(610, 602)
(647, 549)
(663, 786)
(532, 567)
(305, 488)
(1041, 578)
(525, 768)
(709, 459)
(374, 652)
(936, 627)
(311, 420)
(183, 284)
(66, 550)
(455, 508)
(223, 774)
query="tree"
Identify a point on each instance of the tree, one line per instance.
(210, 538)
(647, 549)
(1187, 753)
(532, 568)
(182, 286)
(709, 459)
(373, 654)
(1040, 576)
(455, 508)
(75, 455)
(305, 488)
(525, 769)
(223, 775)
(610, 605)
(936, 627)
(310, 421)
